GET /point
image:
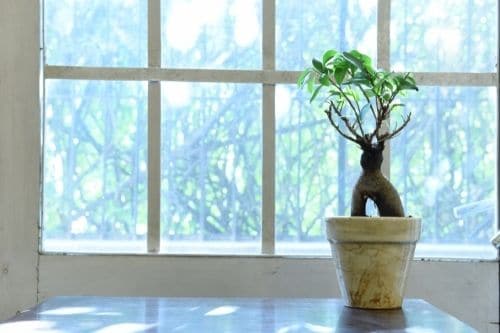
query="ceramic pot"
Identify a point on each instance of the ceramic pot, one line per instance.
(372, 257)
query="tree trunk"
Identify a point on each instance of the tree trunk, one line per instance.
(373, 185)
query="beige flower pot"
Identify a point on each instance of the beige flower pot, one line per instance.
(372, 256)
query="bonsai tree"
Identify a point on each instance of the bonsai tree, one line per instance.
(359, 102)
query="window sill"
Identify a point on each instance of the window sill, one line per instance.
(448, 252)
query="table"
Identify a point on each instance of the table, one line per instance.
(282, 315)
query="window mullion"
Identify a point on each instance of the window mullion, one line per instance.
(243, 76)
(383, 34)
(383, 62)
(154, 127)
(268, 129)
(497, 82)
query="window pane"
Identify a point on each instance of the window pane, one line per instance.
(444, 35)
(444, 166)
(94, 188)
(315, 173)
(95, 32)
(211, 167)
(217, 34)
(305, 29)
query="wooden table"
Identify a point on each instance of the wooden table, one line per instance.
(283, 315)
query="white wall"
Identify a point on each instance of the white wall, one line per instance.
(19, 150)
(468, 290)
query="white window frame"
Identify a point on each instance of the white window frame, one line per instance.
(268, 77)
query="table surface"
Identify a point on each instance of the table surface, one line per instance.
(283, 315)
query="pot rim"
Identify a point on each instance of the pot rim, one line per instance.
(373, 229)
(365, 219)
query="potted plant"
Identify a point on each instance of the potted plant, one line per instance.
(372, 253)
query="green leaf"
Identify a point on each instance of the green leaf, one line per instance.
(340, 74)
(359, 78)
(353, 94)
(334, 93)
(340, 62)
(310, 84)
(410, 82)
(355, 82)
(380, 80)
(389, 84)
(328, 55)
(323, 79)
(405, 82)
(302, 78)
(353, 60)
(408, 86)
(366, 60)
(411, 79)
(317, 65)
(315, 93)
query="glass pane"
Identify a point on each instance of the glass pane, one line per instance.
(217, 34)
(94, 186)
(316, 170)
(211, 168)
(444, 166)
(95, 33)
(444, 35)
(305, 29)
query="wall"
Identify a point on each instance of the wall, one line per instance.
(19, 150)
(468, 290)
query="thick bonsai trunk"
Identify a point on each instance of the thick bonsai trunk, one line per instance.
(373, 185)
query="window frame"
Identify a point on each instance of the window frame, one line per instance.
(268, 77)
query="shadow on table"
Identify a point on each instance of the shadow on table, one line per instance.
(360, 320)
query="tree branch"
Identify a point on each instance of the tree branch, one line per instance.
(350, 127)
(368, 101)
(342, 93)
(398, 130)
(329, 114)
(357, 114)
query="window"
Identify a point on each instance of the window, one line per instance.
(175, 126)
